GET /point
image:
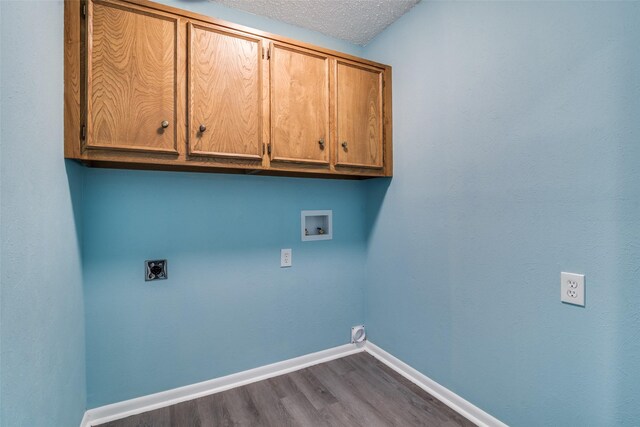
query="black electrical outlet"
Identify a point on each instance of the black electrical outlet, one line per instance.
(155, 270)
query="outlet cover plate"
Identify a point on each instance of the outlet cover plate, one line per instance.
(572, 288)
(155, 270)
(285, 258)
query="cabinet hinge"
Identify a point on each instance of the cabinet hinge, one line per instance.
(83, 132)
(268, 53)
(84, 10)
(269, 148)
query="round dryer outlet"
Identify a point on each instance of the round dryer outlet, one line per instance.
(358, 334)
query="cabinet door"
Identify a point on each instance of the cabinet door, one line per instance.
(131, 78)
(299, 105)
(359, 115)
(225, 88)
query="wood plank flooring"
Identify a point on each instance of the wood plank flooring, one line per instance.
(356, 390)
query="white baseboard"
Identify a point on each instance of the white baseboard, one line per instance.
(104, 414)
(446, 396)
(85, 420)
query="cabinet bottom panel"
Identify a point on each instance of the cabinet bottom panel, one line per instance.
(245, 170)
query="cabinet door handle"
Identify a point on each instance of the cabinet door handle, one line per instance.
(344, 145)
(202, 128)
(321, 142)
(164, 124)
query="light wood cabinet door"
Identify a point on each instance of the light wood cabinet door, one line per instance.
(225, 93)
(131, 78)
(359, 115)
(299, 105)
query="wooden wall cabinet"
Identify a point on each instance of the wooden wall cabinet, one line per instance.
(359, 115)
(225, 93)
(131, 79)
(299, 96)
(149, 86)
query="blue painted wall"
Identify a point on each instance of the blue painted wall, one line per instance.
(42, 353)
(227, 305)
(516, 129)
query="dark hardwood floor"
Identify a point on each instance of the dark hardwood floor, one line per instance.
(356, 390)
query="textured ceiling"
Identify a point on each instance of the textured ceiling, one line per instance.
(356, 21)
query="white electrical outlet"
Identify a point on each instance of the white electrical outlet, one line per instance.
(572, 288)
(285, 258)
